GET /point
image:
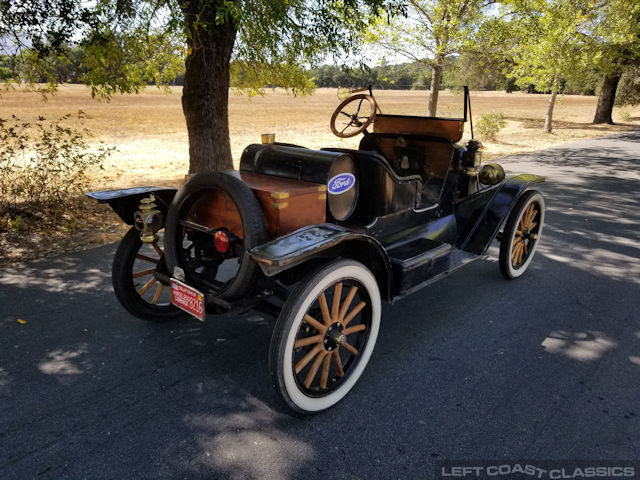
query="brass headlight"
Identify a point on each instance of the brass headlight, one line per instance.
(491, 174)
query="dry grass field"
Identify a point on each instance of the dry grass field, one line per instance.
(150, 135)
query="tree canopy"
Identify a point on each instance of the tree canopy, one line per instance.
(614, 47)
(546, 48)
(629, 90)
(432, 32)
(123, 45)
(130, 42)
(549, 45)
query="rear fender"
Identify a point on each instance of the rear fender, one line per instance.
(495, 212)
(323, 241)
(125, 201)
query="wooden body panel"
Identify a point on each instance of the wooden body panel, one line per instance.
(214, 209)
(429, 126)
(287, 205)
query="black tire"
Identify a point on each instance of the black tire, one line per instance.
(518, 245)
(243, 279)
(342, 337)
(135, 258)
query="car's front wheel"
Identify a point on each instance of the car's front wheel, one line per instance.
(521, 234)
(324, 336)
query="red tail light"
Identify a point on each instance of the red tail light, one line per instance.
(221, 241)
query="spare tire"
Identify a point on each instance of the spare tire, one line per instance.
(206, 204)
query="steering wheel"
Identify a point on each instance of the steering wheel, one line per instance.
(356, 122)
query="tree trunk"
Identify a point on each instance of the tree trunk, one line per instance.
(436, 75)
(550, 105)
(606, 99)
(205, 96)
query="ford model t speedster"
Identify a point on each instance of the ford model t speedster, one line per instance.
(320, 237)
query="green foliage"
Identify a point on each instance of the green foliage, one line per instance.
(545, 45)
(629, 87)
(625, 115)
(251, 77)
(127, 62)
(490, 125)
(479, 71)
(612, 39)
(5, 73)
(66, 66)
(433, 31)
(45, 166)
(128, 44)
(392, 77)
(431, 34)
(276, 37)
(16, 223)
(587, 83)
(163, 63)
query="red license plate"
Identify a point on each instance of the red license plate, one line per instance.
(188, 299)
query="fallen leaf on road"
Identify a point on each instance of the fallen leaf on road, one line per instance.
(21, 321)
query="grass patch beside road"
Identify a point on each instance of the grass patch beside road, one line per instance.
(150, 133)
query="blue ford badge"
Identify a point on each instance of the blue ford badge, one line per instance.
(341, 183)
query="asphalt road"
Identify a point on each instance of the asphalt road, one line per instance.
(546, 367)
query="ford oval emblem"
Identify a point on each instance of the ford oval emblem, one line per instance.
(341, 183)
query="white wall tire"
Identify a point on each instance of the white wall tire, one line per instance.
(521, 234)
(337, 330)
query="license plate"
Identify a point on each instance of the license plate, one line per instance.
(188, 299)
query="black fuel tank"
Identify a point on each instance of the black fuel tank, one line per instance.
(336, 170)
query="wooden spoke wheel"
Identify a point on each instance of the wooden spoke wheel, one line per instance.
(136, 286)
(324, 336)
(353, 116)
(212, 221)
(521, 234)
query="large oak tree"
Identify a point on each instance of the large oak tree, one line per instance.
(130, 42)
(544, 44)
(615, 47)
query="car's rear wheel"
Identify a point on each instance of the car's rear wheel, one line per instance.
(213, 221)
(139, 291)
(324, 336)
(521, 234)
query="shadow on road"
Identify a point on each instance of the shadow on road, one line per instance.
(474, 367)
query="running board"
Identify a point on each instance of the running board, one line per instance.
(423, 261)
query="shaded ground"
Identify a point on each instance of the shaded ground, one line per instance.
(474, 367)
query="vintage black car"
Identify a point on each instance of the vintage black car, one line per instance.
(319, 238)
